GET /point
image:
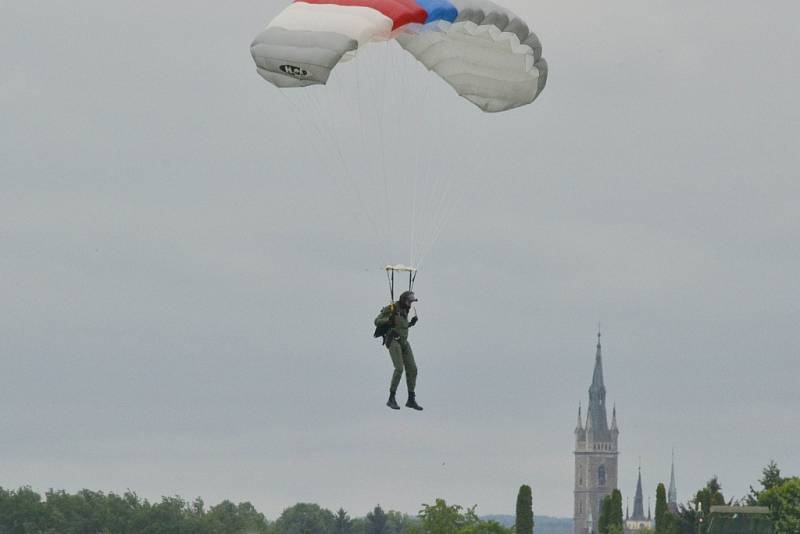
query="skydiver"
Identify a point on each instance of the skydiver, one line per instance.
(393, 324)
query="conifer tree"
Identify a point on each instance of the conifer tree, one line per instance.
(376, 521)
(616, 518)
(662, 519)
(611, 518)
(342, 523)
(604, 520)
(524, 519)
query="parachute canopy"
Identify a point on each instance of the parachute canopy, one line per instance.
(484, 51)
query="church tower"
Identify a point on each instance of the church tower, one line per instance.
(595, 453)
(672, 495)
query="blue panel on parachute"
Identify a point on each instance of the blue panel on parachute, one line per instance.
(438, 10)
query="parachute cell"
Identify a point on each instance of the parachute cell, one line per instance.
(484, 51)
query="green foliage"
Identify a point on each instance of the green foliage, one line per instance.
(611, 518)
(524, 517)
(230, 517)
(662, 514)
(693, 519)
(770, 478)
(485, 527)
(440, 518)
(24, 512)
(376, 521)
(783, 500)
(604, 520)
(305, 518)
(707, 497)
(342, 522)
(615, 518)
(398, 523)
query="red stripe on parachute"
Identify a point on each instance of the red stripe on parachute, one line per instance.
(401, 12)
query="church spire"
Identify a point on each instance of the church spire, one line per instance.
(596, 412)
(638, 500)
(597, 377)
(672, 497)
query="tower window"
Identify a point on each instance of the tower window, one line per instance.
(601, 475)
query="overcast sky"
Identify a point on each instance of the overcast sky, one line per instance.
(187, 298)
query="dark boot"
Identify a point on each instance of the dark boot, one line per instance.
(412, 401)
(392, 403)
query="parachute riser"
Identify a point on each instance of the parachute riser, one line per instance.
(391, 269)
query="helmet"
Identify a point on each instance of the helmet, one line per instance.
(406, 298)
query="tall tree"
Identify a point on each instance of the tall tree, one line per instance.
(524, 518)
(693, 518)
(342, 522)
(305, 518)
(615, 518)
(661, 510)
(441, 518)
(397, 522)
(770, 477)
(784, 504)
(376, 521)
(604, 520)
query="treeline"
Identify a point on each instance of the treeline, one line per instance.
(781, 495)
(25, 511)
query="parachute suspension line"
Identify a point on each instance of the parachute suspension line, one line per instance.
(429, 179)
(403, 100)
(355, 183)
(420, 100)
(378, 108)
(418, 164)
(449, 203)
(434, 182)
(328, 133)
(358, 96)
(458, 200)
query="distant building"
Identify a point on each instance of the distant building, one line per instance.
(672, 494)
(638, 520)
(595, 453)
(738, 519)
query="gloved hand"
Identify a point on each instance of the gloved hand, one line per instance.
(413, 321)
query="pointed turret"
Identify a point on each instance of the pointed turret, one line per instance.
(614, 419)
(589, 428)
(672, 495)
(579, 428)
(638, 500)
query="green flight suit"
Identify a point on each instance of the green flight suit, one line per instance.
(396, 341)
